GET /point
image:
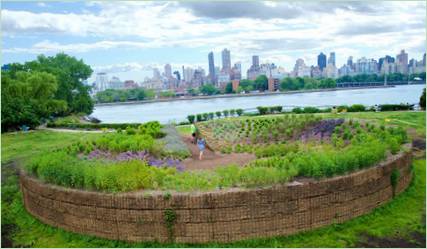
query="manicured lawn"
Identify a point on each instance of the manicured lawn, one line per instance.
(401, 218)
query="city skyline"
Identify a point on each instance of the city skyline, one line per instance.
(117, 40)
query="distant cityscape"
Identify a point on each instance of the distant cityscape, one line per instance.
(185, 78)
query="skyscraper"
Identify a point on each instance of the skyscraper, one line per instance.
(321, 61)
(226, 61)
(101, 82)
(255, 61)
(350, 61)
(211, 67)
(331, 59)
(402, 62)
(168, 71)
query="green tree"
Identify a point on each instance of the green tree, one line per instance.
(229, 88)
(423, 100)
(28, 98)
(208, 89)
(261, 83)
(70, 74)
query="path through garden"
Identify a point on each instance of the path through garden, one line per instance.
(212, 159)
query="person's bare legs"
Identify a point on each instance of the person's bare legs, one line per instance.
(201, 155)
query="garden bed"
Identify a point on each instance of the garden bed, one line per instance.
(285, 147)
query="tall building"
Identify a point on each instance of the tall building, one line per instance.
(300, 69)
(424, 59)
(212, 74)
(168, 71)
(101, 81)
(236, 71)
(115, 83)
(188, 74)
(254, 70)
(387, 59)
(402, 62)
(331, 59)
(255, 61)
(226, 60)
(350, 62)
(366, 66)
(156, 74)
(321, 61)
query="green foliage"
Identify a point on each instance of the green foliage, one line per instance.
(170, 218)
(395, 107)
(208, 89)
(28, 98)
(191, 118)
(70, 74)
(239, 112)
(423, 100)
(122, 95)
(298, 83)
(262, 110)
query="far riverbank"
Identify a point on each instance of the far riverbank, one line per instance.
(234, 95)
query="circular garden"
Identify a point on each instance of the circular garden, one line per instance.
(133, 185)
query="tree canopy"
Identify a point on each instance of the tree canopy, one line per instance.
(47, 86)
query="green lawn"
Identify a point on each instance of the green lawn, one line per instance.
(401, 218)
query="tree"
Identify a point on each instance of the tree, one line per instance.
(423, 100)
(229, 88)
(191, 118)
(28, 98)
(218, 114)
(261, 83)
(70, 74)
(239, 112)
(208, 89)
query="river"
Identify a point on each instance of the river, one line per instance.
(178, 110)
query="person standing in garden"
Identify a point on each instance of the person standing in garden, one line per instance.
(193, 129)
(201, 143)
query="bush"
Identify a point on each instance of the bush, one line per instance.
(396, 107)
(297, 110)
(356, 108)
(310, 109)
(262, 110)
(191, 118)
(239, 112)
(423, 100)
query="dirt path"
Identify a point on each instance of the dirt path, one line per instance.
(212, 159)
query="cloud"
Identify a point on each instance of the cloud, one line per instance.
(269, 29)
(124, 67)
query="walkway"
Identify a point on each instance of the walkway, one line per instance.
(212, 159)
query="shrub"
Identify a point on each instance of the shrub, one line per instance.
(310, 109)
(357, 108)
(226, 112)
(218, 114)
(262, 110)
(239, 112)
(396, 107)
(297, 110)
(199, 117)
(191, 118)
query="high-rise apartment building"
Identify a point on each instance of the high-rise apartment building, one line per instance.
(226, 60)
(255, 61)
(168, 71)
(212, 74)
(402, 62)
(101, 82)
(331, 59)
(321, 61)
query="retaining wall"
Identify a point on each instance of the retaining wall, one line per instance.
(221, 216)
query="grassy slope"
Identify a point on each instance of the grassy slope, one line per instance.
(401, 217)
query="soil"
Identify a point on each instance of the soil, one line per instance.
(212, 159)
(415, 240)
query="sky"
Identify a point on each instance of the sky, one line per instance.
(128, 39)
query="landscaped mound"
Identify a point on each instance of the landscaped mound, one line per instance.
(286, 147)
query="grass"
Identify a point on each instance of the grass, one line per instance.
(18, 145)
(399, 218)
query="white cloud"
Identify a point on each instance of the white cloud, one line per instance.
(355, 27)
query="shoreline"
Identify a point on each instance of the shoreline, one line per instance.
(234, 95)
